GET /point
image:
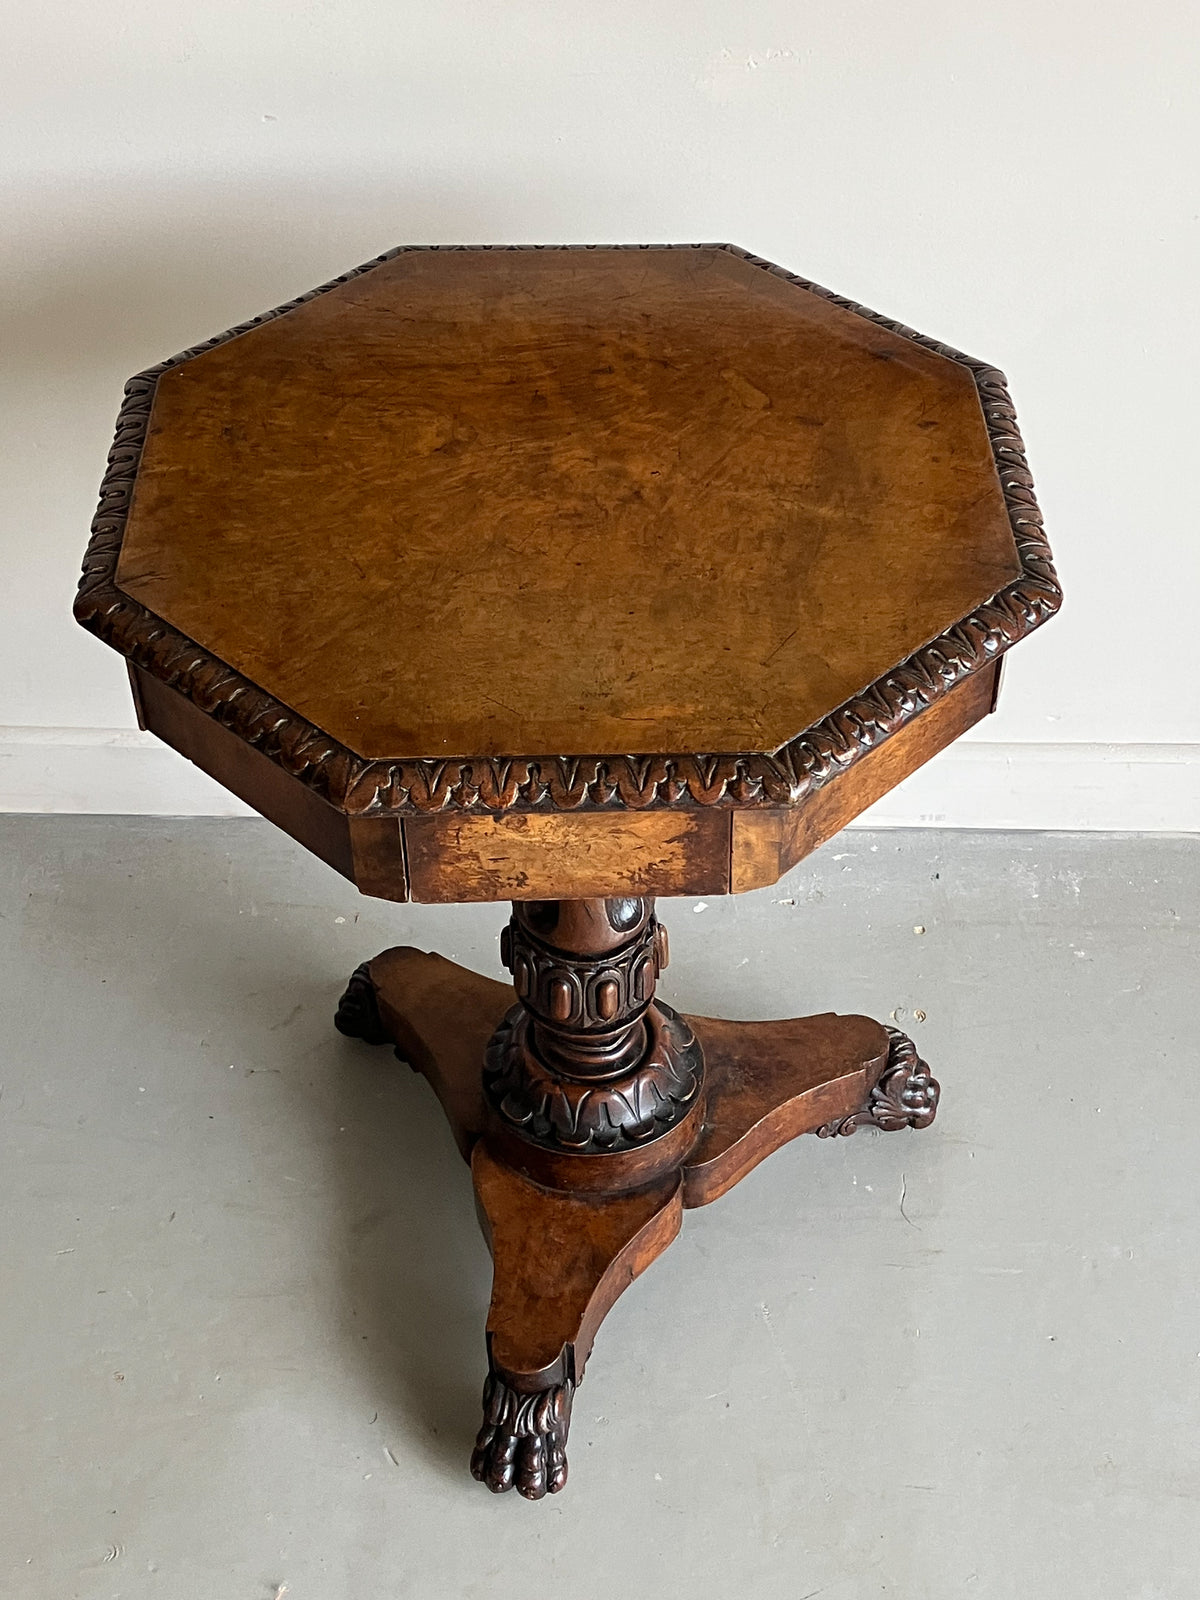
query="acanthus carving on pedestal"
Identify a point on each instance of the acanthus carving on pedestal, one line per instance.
(586, 782)
(583, 1116)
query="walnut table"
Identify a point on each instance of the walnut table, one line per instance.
(573, 577)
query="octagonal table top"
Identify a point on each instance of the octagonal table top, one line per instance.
(472, 512)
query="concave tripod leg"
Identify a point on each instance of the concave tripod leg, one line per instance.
(559, 1264)
(769, 1082)
(438, 1015)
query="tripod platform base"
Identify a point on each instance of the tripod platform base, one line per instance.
(563, 1254)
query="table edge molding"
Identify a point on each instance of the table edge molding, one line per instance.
(359, 786)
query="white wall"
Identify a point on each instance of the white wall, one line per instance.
(1020, 180)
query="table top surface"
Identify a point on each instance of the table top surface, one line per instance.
(490, 503)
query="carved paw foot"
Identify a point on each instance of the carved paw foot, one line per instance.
(357, 1014)
(522, 1444)
(906, 1096)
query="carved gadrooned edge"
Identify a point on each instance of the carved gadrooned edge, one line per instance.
(357, 1015)
(522, 1444)
(581, 1116)
(906, 1095)
(570, 783)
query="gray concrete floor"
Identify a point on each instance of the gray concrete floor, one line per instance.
(244, 1290)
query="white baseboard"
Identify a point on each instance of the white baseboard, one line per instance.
(110, 771)
(1120, 787)
(1135, 788)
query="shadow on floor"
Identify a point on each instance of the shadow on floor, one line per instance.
(217, 957)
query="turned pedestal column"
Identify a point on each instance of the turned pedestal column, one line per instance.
(592, 1082)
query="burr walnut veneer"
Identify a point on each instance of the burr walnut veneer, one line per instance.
(573, 577)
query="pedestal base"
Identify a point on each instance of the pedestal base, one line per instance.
(563, 1255)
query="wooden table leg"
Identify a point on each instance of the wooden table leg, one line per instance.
(439, 1016)
(559, 1263)
(770, 1082)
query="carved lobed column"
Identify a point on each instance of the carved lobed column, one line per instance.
(588, 1062)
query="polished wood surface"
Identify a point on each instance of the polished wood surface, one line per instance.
(367, 850)
(502, 502)
(768, 843)
(440, 1022)
(541, 856)
(560, 1262)
(538, 856)
(563, 1250)
(770, 1082)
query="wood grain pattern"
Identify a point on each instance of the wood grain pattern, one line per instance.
(559, 1265)
(440, 1016)
(770, 1082)
(458, 452)
(755, 550)
(766, 844)
(581, 856)
(367, 850)
(459, 858)
(247, 773)
(463, 858)
(632, 781)
(560, 1262)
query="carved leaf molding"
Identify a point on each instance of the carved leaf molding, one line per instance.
(569, 783)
